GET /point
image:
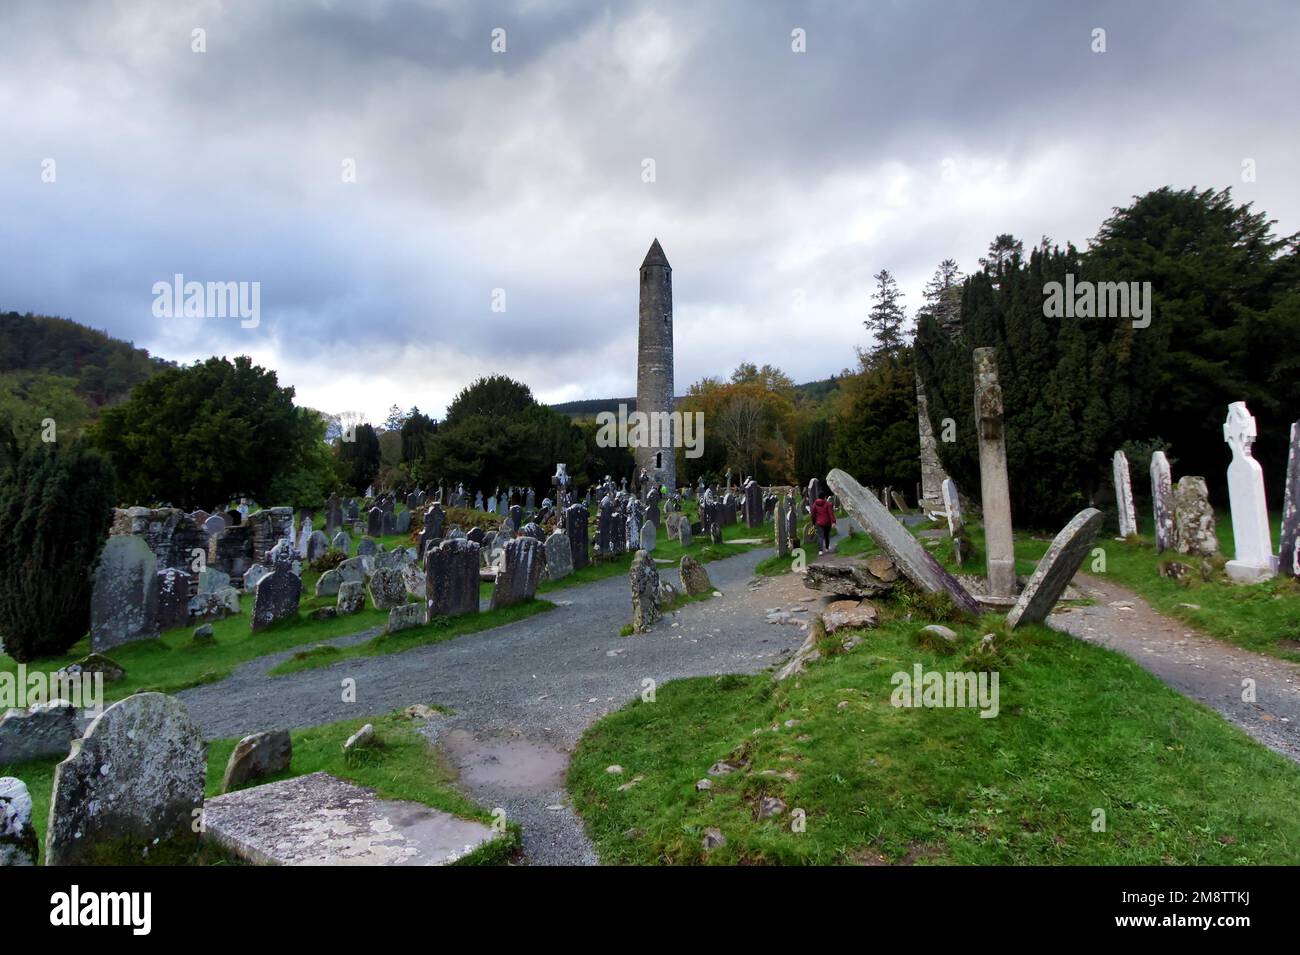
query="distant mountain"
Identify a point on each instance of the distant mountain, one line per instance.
(103, 369)
(816, 391)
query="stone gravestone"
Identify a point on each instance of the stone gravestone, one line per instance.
(995, 493)
(956, 526)
(644, 577)
(559, 557)
(897, 542)
(174, 598)
(18, 842)
(648, 537)
(276, 595)
(1162, 503)
(214, 525)
(521, 571)
(317, 545)
(342, 542)
(576, 519)
(451, 578)
(753, 504)
(782, 529)
(387, 589)
(375, 522)
(1250, 528)
(792, 521)
(124, 600)
(1194, 518)
(402, 522)
(1289, 555)
(1057, 568)
(684, 531)
(135, 778)
(1124, 495)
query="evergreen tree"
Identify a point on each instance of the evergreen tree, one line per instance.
(56, 505)
(885, 321)
(357, 461)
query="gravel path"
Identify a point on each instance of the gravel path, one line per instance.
(1197, 666)
(521, 695)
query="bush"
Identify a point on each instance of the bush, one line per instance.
(55, 511)
(328, 560)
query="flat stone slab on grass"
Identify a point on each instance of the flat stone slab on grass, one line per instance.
(319, 819)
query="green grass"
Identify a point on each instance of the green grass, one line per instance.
(405, 767)
(442, 629)
(1079, 729)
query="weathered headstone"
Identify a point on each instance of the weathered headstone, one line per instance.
(214, 525)
(1057, 568)
(174, 598)
(257, 757)
(135, 778)
(1289, 554)
(317, 545)
(451, 578)
(367, 547)
(1124, 507)
(684, 531)
(387, 590)
(18, 844)
(375, 522)
(995, 493)
(352, 597)
(559, 556)
(405, 617)
(695, 579)
(1250, 528)
(896, 541)
(521, 571)
(342, 542)
(276, 596)
(41, 731)
(1162, 501)
(648, 537)
(644, 578)
(781, 522)
(576, 520)
(1194, 518)
(932, 472)
(124, 600)
(328, 584)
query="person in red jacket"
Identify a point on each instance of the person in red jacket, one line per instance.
(823, 515)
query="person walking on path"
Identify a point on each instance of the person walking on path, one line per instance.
(823, 515)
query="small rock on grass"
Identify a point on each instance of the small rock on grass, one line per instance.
(614, 770)
(702, 784)
(203, 635)
(770, 806)
(713, 838)
(362, 737)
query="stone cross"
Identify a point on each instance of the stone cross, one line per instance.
(1162, 504)
(1250, 528)
(1289, 558)
(995, 490)
(1124, 495)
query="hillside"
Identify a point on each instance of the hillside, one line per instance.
(104, 369)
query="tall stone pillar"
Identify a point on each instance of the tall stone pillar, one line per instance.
(654, 374)
(932, 472)
(1124, 495)
(995, 490)
(1289, 556)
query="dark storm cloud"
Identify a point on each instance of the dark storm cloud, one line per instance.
(906, 133)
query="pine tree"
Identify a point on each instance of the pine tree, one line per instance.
(885, 321)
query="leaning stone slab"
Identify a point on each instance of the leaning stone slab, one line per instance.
(257, 757)
(1057, 568)
(895, 540)
(319, 819)
(136, 777)
(44, 730)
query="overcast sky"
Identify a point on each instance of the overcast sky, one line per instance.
(906, 133)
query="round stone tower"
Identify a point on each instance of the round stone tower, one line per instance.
(654, 372)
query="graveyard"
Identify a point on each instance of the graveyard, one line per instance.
(709, 523)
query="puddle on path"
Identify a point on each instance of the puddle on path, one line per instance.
(505, 763)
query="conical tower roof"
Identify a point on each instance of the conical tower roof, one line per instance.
(656, 256)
